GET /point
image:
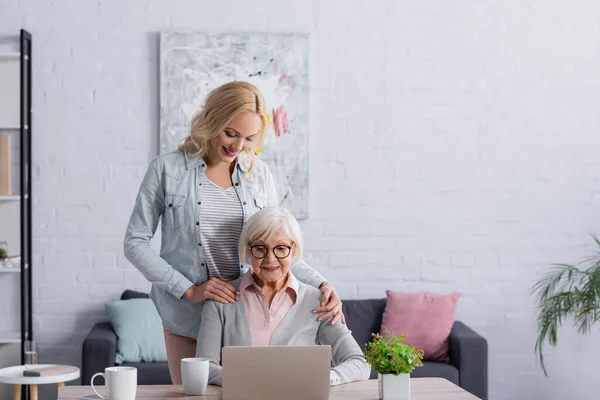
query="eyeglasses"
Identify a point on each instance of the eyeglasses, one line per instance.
(260, 251)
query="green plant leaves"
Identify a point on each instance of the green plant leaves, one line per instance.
(389, 355)
(567, 291)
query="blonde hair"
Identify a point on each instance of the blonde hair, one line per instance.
(265, 223)
(221, 105)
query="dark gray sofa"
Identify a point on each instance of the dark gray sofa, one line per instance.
(468, 366)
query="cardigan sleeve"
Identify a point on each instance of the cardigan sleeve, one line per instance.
(209, 342)
(348, 359)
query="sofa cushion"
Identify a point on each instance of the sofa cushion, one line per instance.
(139, 331)
(363, 318)
(425, 318)
(435, 369)
(156, 373)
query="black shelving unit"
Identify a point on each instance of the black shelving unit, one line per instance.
(16, 196)
(25, 189)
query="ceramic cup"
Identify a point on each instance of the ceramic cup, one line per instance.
(120, 383)
(194, 375)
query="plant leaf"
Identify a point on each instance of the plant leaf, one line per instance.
(567, 291)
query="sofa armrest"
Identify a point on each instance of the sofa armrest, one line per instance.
(99, 350)
(469, 353)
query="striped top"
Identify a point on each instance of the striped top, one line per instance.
(221, 227)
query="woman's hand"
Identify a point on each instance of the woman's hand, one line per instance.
(331, 304)
(213, 289)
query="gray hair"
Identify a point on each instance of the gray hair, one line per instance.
(264, 224)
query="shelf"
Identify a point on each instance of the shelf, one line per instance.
(10, 198)
(11, 54)
(16, 271)
(10, 337)
(12, 269)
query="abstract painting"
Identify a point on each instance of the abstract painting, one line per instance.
(192, 64)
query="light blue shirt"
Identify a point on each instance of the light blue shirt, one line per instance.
(171, 192)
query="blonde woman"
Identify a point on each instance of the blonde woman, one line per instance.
(275, 306)
(203, 193)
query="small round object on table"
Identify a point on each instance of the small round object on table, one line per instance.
(14, 376)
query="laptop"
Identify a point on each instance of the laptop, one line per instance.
(276, 372)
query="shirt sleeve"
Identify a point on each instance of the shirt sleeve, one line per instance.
(146, 214)
(306, 274)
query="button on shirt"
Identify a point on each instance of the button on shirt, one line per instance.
(263, 321)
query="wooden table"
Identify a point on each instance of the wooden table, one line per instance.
(421, 389)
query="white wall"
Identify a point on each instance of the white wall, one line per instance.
(454, 146)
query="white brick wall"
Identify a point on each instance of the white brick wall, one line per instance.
(453, 147)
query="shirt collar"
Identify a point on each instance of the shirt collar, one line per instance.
(192, 161)
(243, 162)
(291, 285)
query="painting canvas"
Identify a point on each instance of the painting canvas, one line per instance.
(192, 64)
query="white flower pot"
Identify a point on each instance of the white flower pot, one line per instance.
(394, 387)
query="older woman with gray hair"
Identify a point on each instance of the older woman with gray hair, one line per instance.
(275, 308)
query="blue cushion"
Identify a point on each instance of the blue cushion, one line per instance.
(139, 331)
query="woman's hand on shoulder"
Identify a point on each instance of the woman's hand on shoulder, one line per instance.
(216, 289)
(331, 305)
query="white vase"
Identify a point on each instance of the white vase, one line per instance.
(394, 387)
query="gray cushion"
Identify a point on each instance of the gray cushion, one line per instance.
(132, 294)
(363, 318)
(152, 373)
(434, 369)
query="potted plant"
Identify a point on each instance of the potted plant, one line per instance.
(567, 291)
(393, 360)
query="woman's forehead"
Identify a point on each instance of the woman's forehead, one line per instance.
(279, 236)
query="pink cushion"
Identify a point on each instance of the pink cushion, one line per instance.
(425, 318)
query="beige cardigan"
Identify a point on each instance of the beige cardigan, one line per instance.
(227, 325)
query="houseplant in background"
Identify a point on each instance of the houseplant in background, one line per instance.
(3, 254)
(393, 360)
(567, 291)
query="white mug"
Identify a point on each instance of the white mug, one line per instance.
(120, 383)
(194, 375)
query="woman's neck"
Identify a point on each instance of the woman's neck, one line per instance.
(219, 172)
(215, 164)
(270, 289)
